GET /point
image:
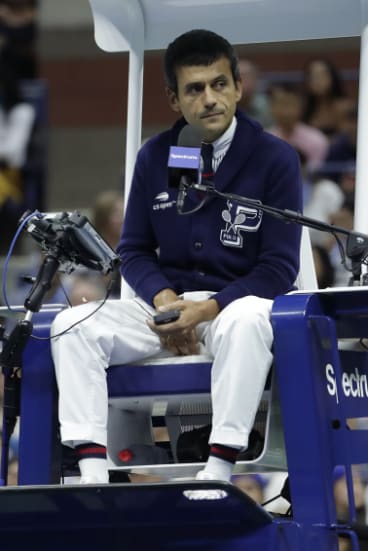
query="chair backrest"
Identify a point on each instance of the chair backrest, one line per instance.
(307, 278)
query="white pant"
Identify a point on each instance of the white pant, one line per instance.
(239, 339)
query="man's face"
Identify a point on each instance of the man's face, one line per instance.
(206, 97)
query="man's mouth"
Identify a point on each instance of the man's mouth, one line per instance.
(210, 115)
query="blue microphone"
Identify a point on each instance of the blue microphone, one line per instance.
(184, 162)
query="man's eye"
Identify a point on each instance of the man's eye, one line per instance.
(195, 89)
(220, 84)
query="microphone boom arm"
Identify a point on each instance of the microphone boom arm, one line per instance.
(356, 245)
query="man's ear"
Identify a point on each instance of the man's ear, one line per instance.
(239, 89)
(173, 100)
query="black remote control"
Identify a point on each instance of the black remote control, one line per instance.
(166, 317)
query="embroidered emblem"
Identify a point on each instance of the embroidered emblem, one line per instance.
(161, 201)
(246, 219)
(163, 196)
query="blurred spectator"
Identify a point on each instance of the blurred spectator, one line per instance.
(83, 284)
(342, 503)
(341, 156)
(287, 109)
(86, 287)
(343, 147)
(341, 494)
(347, 185)
(325, 272)
(18, 36)
(23, 281)
(253, 102)
(325, 201)
(322, 199)
(16, 123)
(307, 181)
(251, 484)
(107, 216)
(69, 290)
(344, 218)
(324, 96)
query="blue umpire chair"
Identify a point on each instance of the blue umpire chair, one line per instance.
(175, 390)
(321, 387)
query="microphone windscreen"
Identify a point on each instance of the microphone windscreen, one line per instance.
(189, 137)
(184, 158)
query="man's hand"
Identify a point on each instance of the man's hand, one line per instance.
(181, 345)
(179, 337)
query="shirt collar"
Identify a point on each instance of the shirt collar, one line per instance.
(224, 141)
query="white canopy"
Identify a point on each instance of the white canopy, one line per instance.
(137, 25)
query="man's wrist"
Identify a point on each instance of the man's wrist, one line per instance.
(209, 309)
(166, 296)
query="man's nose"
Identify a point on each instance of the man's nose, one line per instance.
(209, 97)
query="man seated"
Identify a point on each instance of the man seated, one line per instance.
(221, 267)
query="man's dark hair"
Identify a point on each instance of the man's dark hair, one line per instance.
(197, 47)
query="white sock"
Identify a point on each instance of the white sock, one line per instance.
(93, 470)
(217, 469)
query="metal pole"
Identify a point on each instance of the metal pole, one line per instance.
(361, 190)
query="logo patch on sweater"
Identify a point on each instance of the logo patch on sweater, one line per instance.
(237, 220)
(163, 196)
(162, 202)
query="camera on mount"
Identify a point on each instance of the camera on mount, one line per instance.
(72, 240)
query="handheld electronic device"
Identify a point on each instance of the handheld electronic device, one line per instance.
(166, 317)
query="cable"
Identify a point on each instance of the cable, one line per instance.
(77, 322)
(271, 500)
(341, 251)
(8, 256)
(191, 211)
(65, 293)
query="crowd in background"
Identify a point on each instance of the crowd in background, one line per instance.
(18, 64)
(314, 114)
(319, 119)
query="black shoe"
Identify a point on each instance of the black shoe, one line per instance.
(255, 447)
(193, 447)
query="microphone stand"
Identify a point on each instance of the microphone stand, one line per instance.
(11, 356)
(356, 244)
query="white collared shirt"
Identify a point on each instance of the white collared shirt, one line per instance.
(222, 144)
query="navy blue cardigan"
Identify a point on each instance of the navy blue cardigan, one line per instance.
(224, 247)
